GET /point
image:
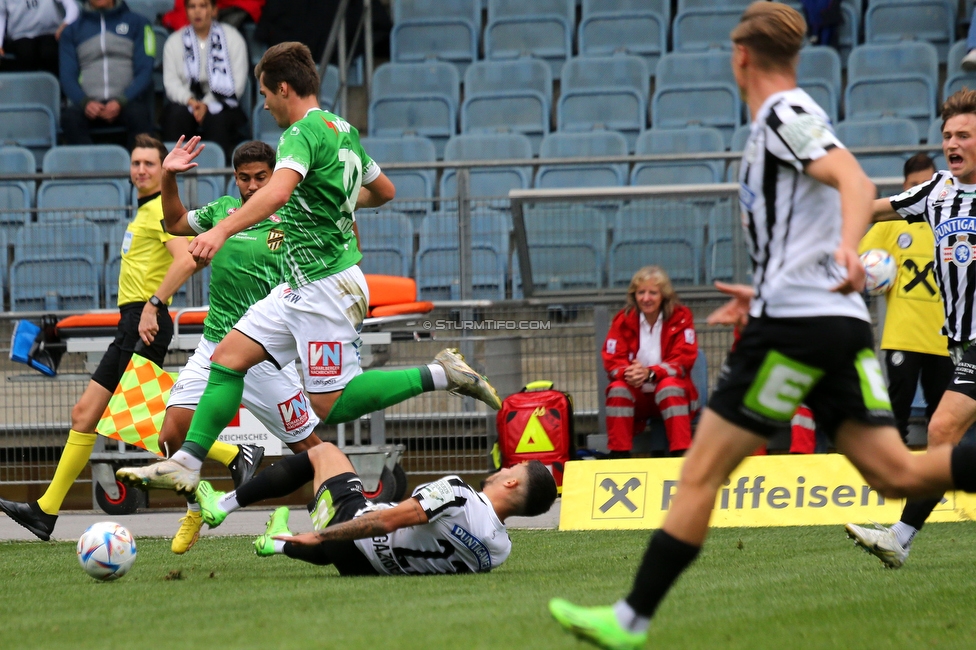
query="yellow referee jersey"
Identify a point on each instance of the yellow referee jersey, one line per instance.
(145, 258)
(915, 315)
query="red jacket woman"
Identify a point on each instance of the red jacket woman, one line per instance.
(648, 355)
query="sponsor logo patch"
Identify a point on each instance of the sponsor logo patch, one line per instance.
(275, 238)
(294, 412)
(324, 358)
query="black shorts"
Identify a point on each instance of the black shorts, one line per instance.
(127, 341)
(964, 374)
(825, 362)
(338, 500)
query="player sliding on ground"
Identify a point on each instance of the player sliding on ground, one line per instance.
(321, 176)
(444, 527)
(806, 203)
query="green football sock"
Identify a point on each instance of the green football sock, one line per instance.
(218, 405)
(375, 390)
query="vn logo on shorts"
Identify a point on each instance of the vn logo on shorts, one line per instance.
(324, 359)
(294, 412)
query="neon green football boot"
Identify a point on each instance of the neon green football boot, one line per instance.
(277, 525)
(209, 500)
(596, 624)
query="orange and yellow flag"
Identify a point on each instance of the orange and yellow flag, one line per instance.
(135, 413)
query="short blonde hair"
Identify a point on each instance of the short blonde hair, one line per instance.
(773, 31)
(669, 299)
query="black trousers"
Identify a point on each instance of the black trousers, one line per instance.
(904, 371)
(32, 54)
(223, 128)
(135, 118)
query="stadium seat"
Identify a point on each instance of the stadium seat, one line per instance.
(722, 248)
(413, 185)
(541, 28)
(86, 158)
(896, 80)
(415, 99)
(69, 282)
(818, 73)
(739, 139)
(935, 132)
(639, 32)
(888, 21)
(567, 246)
(41, 88)
(437, 265)
(661, 7)
(208, 188)
(704, 28)
(151, 10)
(687, 140)
(696, 89)
(99, 200)
(30, 110)
(956, 77)
(16, 197)
(668, 233)
(508, 97)
(596, 144)
(263, 126)
(849, 30)
(386, 239)
(491, 183)
(446, 30)
(328, 89)
(877, 133)
(604, 93)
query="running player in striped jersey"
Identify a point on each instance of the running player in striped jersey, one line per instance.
(444, 527)
(945, 202)
(806, 204)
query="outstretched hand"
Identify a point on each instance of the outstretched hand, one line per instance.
(180, 159)
(735, 311)
(849, 259)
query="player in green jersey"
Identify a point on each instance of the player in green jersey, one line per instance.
(321, 176)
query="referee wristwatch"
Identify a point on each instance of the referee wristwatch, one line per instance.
(156, 302)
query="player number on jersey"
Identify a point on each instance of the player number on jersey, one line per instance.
(352, 179)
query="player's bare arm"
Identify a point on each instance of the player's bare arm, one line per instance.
(840, 170)
(179, 160)
(375, 194)
(883, 211)
(379, 522)
(735, 311)
(265, 202)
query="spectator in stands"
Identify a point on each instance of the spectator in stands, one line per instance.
(912, 341)
(824, 18)
(29, 33)
(106, 65)
(649, 352)
(233, 12)
(205, 68)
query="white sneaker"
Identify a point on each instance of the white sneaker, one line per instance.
(881, 542)
(163, 475)
(969, 61)
(463, 380)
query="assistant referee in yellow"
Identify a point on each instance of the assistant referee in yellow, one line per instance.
(155, 265)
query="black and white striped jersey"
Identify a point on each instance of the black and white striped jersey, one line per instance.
(947, 206)
(792, 221)
(463, 534)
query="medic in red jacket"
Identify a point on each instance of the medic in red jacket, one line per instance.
(648, 355)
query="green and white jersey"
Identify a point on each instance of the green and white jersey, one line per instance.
(248, 266)
(318, 218)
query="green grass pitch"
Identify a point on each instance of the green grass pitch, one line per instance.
(750, 589)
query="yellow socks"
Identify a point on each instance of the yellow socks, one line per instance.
(223, 453)
(74, 457)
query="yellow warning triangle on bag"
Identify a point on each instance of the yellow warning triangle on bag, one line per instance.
(534, 439)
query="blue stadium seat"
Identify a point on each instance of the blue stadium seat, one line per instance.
(956, 77)
(608, 92)
(30, 110)
(687, 140)
(888, 21)
(69, 282)
(489, 182)
(40, 88)
(667, 233)
(849, 30)
(437, 270)
(508, 97)
(86, 158)
(721, 249)
(328, 89)
(579, 145)
(642, 33)
(877, 133)
(413, 185)
(818, 73)
(263, 126)
(895, 80)
(16, 197)
(696, 89)
(712, 67)
(447, 30)
(415, 99)
(661, 7)
(100, 200)
(386, 238)
(567, 246)
(935, 132)
(739, 139)
(542, 28)
(704, 28)
(208, 188)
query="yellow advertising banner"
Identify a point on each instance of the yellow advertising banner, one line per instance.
(818, 489)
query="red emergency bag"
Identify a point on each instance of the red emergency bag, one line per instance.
(536, 424)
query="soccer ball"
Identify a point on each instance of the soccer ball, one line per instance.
(106, 550)
(880, 270)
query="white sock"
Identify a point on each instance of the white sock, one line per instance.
(904, 533)
(193, 506)
(629, 619)
(228, 503)
(438, 375)
(279, 546)
(187, 461)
